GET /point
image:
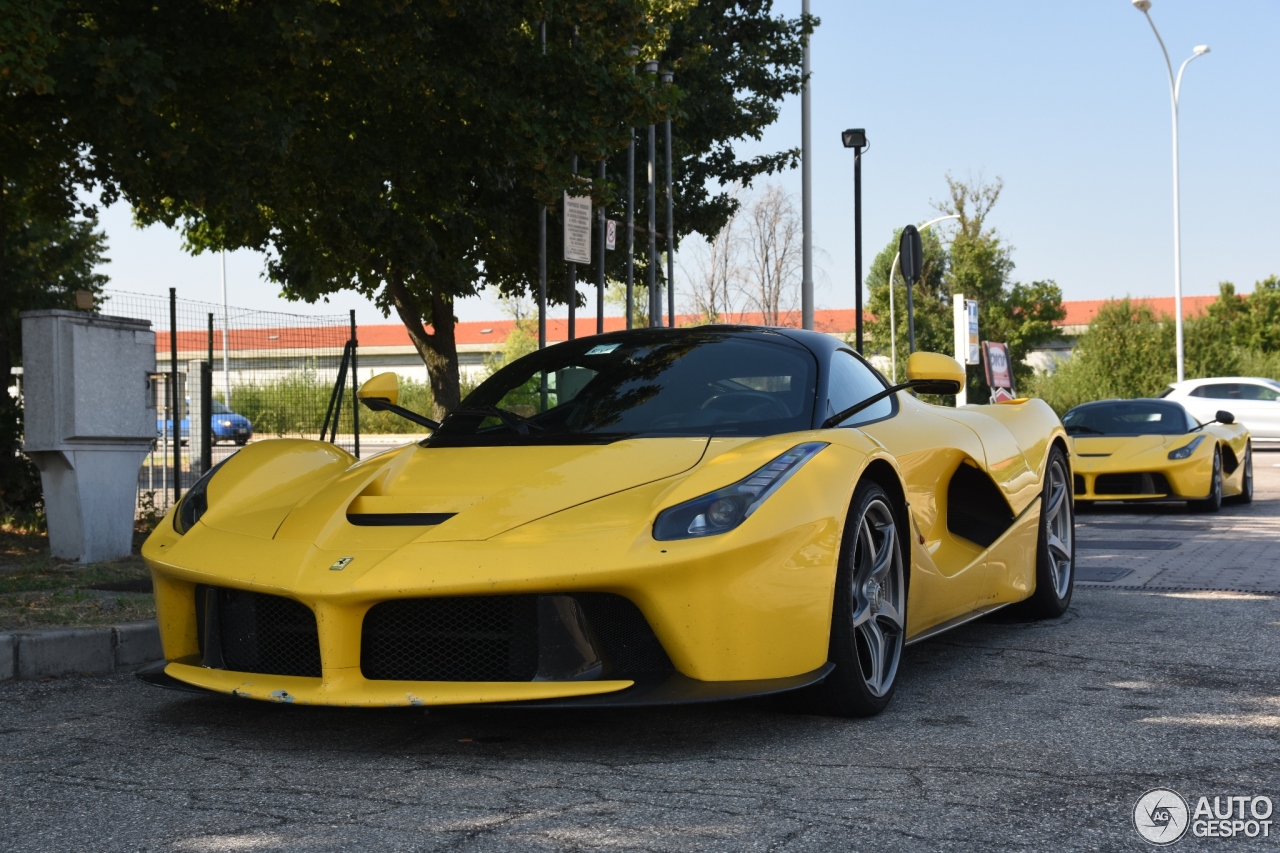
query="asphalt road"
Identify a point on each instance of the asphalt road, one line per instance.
(1003, 735)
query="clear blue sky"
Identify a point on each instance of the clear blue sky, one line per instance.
(1067, 102)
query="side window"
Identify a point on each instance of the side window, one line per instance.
(1259, 392)
(1218, 391)
(852, 381)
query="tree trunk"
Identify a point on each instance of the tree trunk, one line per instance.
(438, 348)
(7, 305)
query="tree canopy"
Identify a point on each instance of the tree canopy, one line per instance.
(404, 150)
(978, 264)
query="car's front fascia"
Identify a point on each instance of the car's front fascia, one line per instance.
(747, 606)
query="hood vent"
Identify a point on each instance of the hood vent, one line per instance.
(398, 519)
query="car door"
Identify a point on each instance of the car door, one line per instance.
(1260, 410)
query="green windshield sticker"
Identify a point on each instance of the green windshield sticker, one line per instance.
(601, 349)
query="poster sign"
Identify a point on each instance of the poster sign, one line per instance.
(611, 234)
(971, 313)
(577, 229)
(995, 362)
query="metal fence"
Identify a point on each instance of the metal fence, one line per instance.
(270, 374)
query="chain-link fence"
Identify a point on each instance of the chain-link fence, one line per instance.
(269, 374)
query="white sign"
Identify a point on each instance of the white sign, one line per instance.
(577, 229)
(971, 307)
(611, 234)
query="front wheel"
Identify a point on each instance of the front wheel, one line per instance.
(1246, 481)
(868, 623)
(1213, 503)
(1056, 546)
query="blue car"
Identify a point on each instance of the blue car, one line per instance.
(225, 424)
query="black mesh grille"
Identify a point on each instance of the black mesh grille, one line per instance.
(1131, 484)
(1079, 484)
(495, 638)
(627, 643)
(490, 638)
(260, 633)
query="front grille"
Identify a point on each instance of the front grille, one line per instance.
(489, 638)
(496, 638)
(255, 632)
(1078, 482)
(1131, 484)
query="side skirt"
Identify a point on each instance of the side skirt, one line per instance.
(943, 627)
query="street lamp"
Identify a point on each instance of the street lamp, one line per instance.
(1175, 88)
(856, 138)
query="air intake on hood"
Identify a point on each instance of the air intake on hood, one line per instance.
(398, 519)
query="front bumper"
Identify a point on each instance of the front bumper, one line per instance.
(740, 614)
(1172, 480)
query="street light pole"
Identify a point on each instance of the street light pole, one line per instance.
(226, 331)
(1175, 89)
(667, 79)
(631, 209)
(856, 138)
(806, 190)
(655, 306)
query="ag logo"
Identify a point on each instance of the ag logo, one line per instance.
(341, 564)
(1160, 816)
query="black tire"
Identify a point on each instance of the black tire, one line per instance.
(241, 442)
(1246, 493)
(870, 603)
(1213, 503)
(1056, 545)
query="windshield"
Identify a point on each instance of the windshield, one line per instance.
(220, 409)
(1128, 417)
(655, 382)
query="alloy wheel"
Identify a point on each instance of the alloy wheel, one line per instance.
(878, 596)
(1059, 527)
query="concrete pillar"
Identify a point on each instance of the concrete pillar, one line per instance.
(89, 422)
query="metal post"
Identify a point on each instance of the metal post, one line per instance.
(602, 223)
(355, 383)
(655, 311)
(671, 229)
(631, 213)
(857, 248)
(176, 409)
(211, 340)
(542, 253)
(226, 326)
(806, 193)
(572, 267)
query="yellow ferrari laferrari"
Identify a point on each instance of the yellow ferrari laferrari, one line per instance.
(647, 517)
(1154, 450)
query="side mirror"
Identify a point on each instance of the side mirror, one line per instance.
(934, 373)
(384, 386)
(1224, 417)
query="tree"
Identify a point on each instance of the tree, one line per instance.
(403, 150)
(771, 248)
(979, 265)
(715, 285)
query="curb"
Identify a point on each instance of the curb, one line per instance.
(79, 651)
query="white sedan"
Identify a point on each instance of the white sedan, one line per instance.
(1254, 401)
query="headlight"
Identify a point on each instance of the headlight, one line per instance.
(224, 423)
(195, 501)
(1187, 449)
(725, 509)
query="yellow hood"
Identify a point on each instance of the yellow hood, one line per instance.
(477, 492)
(1123, 447)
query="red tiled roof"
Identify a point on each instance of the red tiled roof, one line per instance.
(1081, 311)
(833, 320)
